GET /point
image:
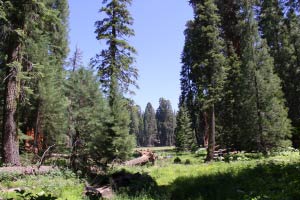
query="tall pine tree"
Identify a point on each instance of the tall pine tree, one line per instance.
(208, 63)
(17, 17)
(88, 114)
(282, 33)
(116, 70)
(150, 137)
(264, 117)
(184, 135)
(165, 124)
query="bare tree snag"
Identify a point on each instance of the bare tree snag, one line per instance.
(43, 156)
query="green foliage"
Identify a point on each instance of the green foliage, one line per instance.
(208, 61)
(204, 55)
(41, 52)
(114, 64)
(282, 34)
(165, 123)
(187, 162)
(177, 160)
(136, 122)
(117, 74)
(52, 104)
(228, 115)
(264, 117)
(114, 142)
(150, 126)
(184, 135)
(247, 183)
(29, 196)
(87, 114)
(58, 184)
(250, 175)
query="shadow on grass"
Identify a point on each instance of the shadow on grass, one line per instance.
(268, 181)
(131, 185)
(271, 180)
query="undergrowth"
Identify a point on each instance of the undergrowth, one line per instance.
(249, 176)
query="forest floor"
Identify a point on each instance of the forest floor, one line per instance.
(241, 176)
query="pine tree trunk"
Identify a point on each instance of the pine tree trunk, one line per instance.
(211, 137)
(206, 130)
(10, 151)
(36, 129)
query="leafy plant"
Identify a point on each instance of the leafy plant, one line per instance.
(30, 196)
(177, 160)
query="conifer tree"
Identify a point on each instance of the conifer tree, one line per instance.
(140, 138)
(230, 106)
(184, 135)
(115, 64)
(208, 63)
(165, 124)
(49, 104)
(150, 127)
(134, 126)
(116, 71)
(88, 112)
(17, 17)
(189, 90)
(264, 117)
(279, 30)
(292, 86)
(230, 18)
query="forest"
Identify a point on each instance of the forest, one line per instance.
(70, 131)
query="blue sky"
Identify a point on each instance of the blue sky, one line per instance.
(159, 39)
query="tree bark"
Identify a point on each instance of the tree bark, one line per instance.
(146, 156)
(10, 151)
(36, 129)
(206, 130)
(212, 134)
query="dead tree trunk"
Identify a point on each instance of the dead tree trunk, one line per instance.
(146, 156)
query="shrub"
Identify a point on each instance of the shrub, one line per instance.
(187, 162)
(201, 152)
(177, 160)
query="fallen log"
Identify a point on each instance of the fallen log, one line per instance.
(29, 170)
(146, 156)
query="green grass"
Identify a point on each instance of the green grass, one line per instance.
(244, 176)
(251, 176)
(62, 185)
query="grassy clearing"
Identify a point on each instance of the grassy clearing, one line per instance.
(251, 176)
(244, 176)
